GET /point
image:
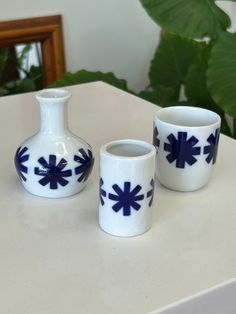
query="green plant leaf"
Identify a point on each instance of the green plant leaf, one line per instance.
(3, 91)
(171, 62)
(20, 86)
(149, 96)
(36, 74)
(84, 76)
(24, 86)
(4, 53)
(221, 74)
(196, 87)
(195, 81)
(194, 18)
(161, 95)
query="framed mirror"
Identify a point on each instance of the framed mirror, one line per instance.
(44, 34)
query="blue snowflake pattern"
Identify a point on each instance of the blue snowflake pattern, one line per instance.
(156, 141)
(127, 198)
(53, 172)
(102, 192)
(86, 161)
(20, 158)
(150, 193)
(182, 150)
(212, 149)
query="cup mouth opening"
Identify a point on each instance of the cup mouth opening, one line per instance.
(53, 94)
(188, 117)
(128, 149)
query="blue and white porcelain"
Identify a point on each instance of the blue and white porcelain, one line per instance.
(127, 169)
(186, 141)
(54, 162)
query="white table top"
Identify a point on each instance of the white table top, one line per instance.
(54, 259)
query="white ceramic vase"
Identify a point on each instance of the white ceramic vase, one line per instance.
(54, 162)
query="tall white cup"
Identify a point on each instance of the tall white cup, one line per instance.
(127, 169)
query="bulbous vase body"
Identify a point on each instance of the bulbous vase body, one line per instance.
(54, 162)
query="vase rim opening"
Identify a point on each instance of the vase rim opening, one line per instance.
(53, 94)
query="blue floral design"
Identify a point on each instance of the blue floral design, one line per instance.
(86, 161)
(102, 192)
(156, 141)
(126, 198)
(150, 193)
(52, 172)
(211, 150)
(20, 158)
(182, 150)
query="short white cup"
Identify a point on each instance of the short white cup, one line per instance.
(127, 169)
(186, 141)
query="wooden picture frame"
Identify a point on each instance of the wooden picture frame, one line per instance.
(48, 31)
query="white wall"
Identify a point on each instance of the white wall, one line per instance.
(107, 35)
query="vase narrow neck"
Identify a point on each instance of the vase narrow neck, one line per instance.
(53, 110)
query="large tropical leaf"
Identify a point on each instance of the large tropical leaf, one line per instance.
(196, 87)
(84, 76)
(171, 62)
(195, 82)
(195, 18)
(221, 74)
(161, 95)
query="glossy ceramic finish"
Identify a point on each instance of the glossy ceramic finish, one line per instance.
(127, 169)
(55, 258)
(186, 141)
(54, 162)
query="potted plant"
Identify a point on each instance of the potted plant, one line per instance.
(196, 55)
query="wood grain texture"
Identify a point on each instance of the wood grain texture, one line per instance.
(48, 31)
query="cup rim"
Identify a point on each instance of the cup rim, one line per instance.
(197, 109)
(152, 150)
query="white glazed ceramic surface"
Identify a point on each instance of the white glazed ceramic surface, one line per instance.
(127, 170)
(186, 141)
(54, 162)
(55, 259)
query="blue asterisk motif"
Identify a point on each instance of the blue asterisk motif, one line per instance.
(102, 192)
(126, 199)
(86, 161)
(156, 141)
(150, 193)
(20, 158)
(53, 172)
(212, 149)
(182, 150)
